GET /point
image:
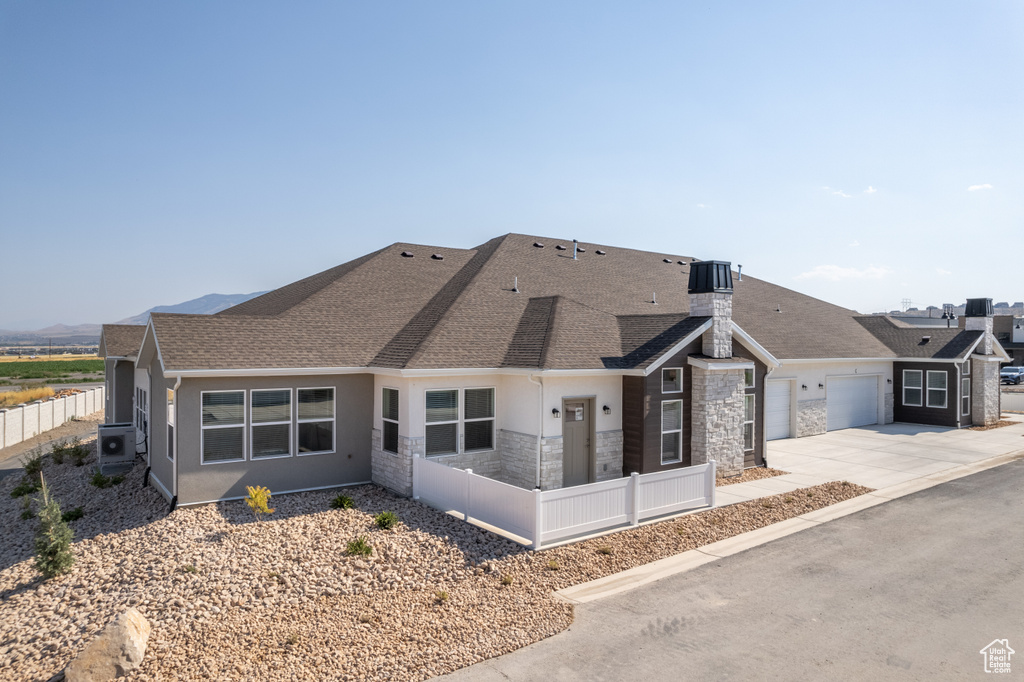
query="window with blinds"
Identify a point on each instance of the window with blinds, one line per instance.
(170, 424)
(442, 429)
(315, 417)
(223, 426)
(965, 396)
(389, 413)
(671, 431)
(479, 418)
(748, 421)
(937, 389)
(912, 387)
(271, 428)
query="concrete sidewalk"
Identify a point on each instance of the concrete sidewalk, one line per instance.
(875, 456)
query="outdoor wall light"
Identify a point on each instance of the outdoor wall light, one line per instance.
(803, 386)
(888, 381)
(555, 412)
(607, 410)
(821, 385)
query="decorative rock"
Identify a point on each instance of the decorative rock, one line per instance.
(118, 650)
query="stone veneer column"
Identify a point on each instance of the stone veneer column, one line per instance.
(717, 418)
(985, 391)
(984, 325)
(717, 341)
(394, 471)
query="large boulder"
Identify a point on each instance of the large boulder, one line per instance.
(114, 653)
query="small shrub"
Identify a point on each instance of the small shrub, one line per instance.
(787, 499)
(33, 463)
(440, 596)
(189, 569)
(342, 502)
(507, 579)
(810, 493)
(77, 452)
(26, 508)
(604, 549)
(385, 520)
(102, 481)
(59, 452)
(26, 487)
(258, 500)
(553, 565)
(365, 618)
(767, 505)
(73, 515)
(293, 639)
(359, 547)
(53, 541)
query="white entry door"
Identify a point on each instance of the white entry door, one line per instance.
(851, 401)
(777, 396)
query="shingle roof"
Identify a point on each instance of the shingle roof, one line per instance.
(920, 342)
(597, 311)
(121, 340)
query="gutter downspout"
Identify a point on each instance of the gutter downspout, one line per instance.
(174, 447)
(540, 419)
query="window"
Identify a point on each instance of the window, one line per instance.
(442, 422)
(223, 426)
(912, 387)
(965, 369)
(389, 412)
(965, 396)
(271, 417)
(141, 422)
(937, 389)
(170, 424)
(316, 420)
(671, 380)
(478, 411)
(748, 422)
(748, 378)
(671, 431)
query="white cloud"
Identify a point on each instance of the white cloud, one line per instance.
(943, 272)
(843, 194)
(836, 273)
(975, 188)
(854, 243)
(870, 190)
(701, 206)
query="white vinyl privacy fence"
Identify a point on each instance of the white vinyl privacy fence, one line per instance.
(543, 517)
(1013, 402)
(20, 423)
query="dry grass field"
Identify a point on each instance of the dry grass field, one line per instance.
(46, 358)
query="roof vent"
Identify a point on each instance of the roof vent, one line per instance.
(580, 249)
(437, 256)
(407, 254)
(925, 339)
(599, 252)
(538, 245)
(681, 262)
(666, 260)
(710, 276)
(560, 247)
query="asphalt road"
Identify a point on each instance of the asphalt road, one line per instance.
(907, 590)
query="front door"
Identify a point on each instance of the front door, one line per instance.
(576, 469)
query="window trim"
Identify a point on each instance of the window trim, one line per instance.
(666, 369)
(965, 398)
(493, 418)
(203, 428)
(292, 435)
(170, 424)
(921, 388)
(333, 420)
(396, 422)
(679, 448)
(752, 421)
(944, 389)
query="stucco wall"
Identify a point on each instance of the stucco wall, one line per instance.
(810, 402)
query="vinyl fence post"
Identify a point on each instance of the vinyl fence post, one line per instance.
(634, 486)
(537, 518)
(416, 476)
(469, 485)
(711, 482)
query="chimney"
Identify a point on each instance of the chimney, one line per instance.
(710, 290)
(978, 317)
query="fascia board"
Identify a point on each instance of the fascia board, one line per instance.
(759, 351)
(683, 343)
(405, 373)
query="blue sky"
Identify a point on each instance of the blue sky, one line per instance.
(154, 152)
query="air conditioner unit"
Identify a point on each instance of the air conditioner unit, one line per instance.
(115, 444)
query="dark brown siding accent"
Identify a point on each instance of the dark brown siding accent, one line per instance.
(926, 415)
(755, 458)
(634, 412)
(652, 397)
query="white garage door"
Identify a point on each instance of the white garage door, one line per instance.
(852, 401)
(777, 417)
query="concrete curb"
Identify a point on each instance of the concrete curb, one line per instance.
(687, 561)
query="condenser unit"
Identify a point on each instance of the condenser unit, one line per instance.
(115, 444)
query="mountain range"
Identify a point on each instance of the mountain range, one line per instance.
(90, 333)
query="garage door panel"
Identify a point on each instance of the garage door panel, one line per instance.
(778, 397)
(851, 401)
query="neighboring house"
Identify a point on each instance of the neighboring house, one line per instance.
(529, 361)
(119, 346)
(1009, 331)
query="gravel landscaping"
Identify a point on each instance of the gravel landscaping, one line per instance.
(232, 598)
(749, 475)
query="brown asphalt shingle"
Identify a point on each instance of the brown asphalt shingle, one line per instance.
(121, 340)
(598, 311)
(920, 342)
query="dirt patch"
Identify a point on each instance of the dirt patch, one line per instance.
(998, 425)
(230, 598)
(83, 427)
(748, 475)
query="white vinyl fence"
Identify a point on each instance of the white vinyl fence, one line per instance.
(543, 517)
(20, 423)
(1013, 402)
